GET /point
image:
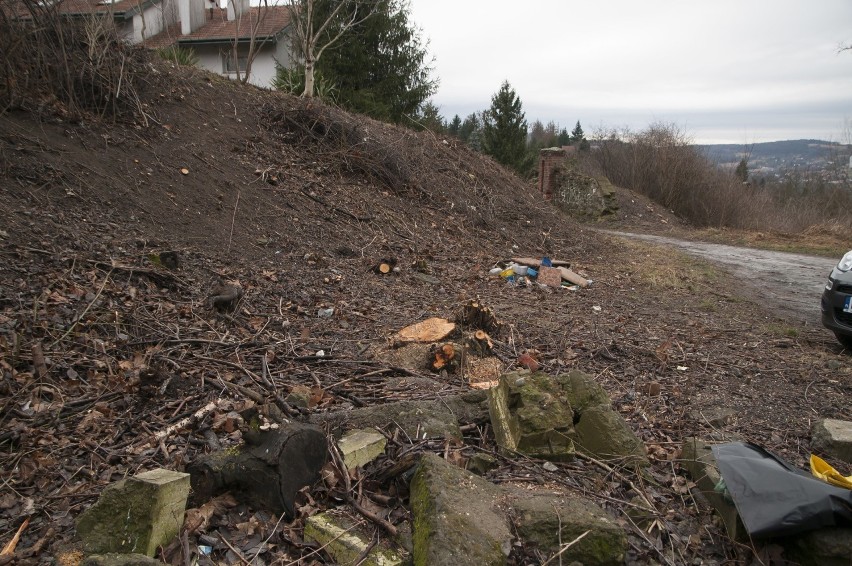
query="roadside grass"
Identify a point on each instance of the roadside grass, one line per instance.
(818, 240)
(664, 268)
(782, 330)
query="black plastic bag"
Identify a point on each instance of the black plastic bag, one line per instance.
(773, 498)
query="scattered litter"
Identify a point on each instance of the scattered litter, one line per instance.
(550, 467)
(320, 353)
(325, 313)
(821, 469)
(596, 308)
(682, 368)
(523, 271)
(774, 498)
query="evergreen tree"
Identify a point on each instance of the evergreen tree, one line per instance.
(578, 138)
(430, 118)
(742, 170)
(380, 67)
(470, 125)
(454, 127)
(563, 138)
(504, 130)
(577, 134)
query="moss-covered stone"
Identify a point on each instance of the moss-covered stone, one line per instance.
(346, 543)
(545, 520)
(604, 433)
(824, 547)
(136, 515)
(583, 391)
(120, 560)
(456, 517)
(583, 196)
(530, 413)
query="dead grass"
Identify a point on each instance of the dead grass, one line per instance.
(825, 240)
(663, 268)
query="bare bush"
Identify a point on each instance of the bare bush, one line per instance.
(67, 65)
(661, 163)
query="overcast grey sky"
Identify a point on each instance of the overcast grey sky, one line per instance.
(724, 71)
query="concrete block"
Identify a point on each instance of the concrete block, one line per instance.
(360, 447)
(136, 515)
(698, 459)
(833, 437)
(120, 560)
(346, 544)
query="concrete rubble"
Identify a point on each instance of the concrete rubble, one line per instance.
(136, 515)
(462, 519)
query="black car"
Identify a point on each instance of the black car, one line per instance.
(837, 301)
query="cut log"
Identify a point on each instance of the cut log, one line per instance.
(444, 357)
(476, 316)
(479, 343)
(532, 262)
(572, 277)
(429, 330)
(267, 473)
(385, 266)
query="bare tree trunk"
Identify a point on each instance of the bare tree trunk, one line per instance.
(309, 79)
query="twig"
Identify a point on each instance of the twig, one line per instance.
(9, 549)
(86, 310)
(233, 220)
(564, 548)
(338, 460)
(234, 550)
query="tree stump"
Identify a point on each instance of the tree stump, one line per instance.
(267, 472)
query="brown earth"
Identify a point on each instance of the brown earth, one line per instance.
(297, 202)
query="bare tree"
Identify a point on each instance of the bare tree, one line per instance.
(312, 37)
(254, 21)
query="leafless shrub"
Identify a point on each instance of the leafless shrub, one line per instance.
(662, 163)
(68, 66)
(344, 139)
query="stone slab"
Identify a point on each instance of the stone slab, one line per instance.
(697, 458)
(457, 518)
(833, 437)
(360, 447)
(341, 538)
(136, 515)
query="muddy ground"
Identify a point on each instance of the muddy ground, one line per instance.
(103, 344)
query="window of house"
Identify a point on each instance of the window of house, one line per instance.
(229, 65)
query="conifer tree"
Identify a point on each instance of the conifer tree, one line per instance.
(380, 67)
(504, 131)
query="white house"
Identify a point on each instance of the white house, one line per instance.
(212, 32)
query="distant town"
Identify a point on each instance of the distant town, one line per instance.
(803, 160)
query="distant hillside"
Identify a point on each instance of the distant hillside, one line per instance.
(774, 157)
(784, 150)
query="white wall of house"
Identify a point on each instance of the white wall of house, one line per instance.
(263, 67)
(154, 19)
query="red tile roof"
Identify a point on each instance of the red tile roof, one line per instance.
(120, 7)
(268, 22)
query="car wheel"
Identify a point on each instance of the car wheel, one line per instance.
(845, 340)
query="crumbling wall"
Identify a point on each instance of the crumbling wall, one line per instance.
(579, 195)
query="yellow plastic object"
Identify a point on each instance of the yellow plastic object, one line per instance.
(823, 471)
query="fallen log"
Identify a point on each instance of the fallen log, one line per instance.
(267, 472)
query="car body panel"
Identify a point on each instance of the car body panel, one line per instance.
(833, 301)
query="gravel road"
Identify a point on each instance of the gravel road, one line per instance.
(785, 282)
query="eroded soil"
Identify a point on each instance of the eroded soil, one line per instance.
(103, 347)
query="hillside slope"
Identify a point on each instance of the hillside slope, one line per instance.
(296, 202)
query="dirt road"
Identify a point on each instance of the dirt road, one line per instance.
(788, 284)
